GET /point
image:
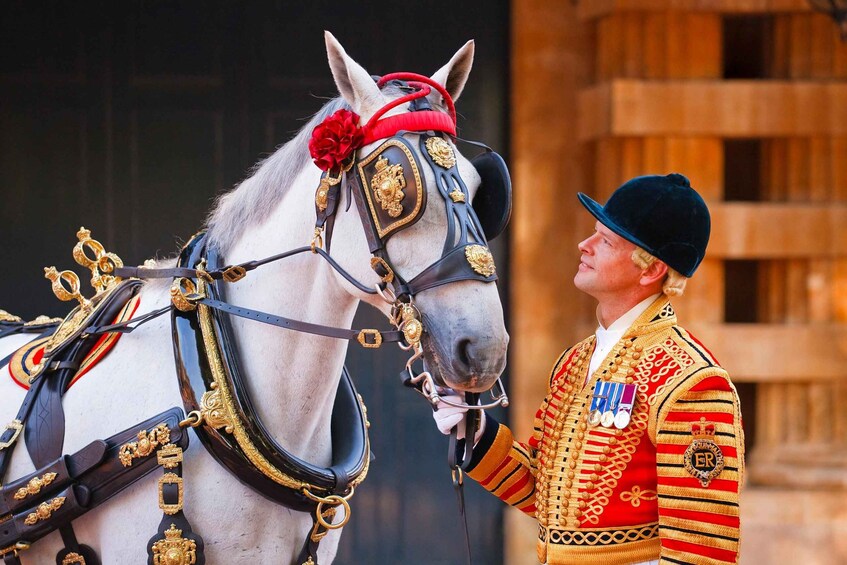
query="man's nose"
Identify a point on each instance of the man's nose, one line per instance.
(584, 246)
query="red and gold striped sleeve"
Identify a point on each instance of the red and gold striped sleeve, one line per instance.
(505, 467)
(700, 463)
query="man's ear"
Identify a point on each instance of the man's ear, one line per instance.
(655, 273)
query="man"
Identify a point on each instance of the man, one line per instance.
(637, 451)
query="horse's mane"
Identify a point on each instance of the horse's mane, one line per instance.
(254, 198)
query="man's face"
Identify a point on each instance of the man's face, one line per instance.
(606, 269)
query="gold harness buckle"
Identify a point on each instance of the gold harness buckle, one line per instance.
(377, 339)
(16, 426)
(234, 273)
(171, 479)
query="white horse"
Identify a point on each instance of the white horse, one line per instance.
(293, 376)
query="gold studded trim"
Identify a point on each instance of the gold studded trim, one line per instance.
(229, 417)
(227, 405)
(6, 317)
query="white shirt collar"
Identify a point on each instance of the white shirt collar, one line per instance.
(608, 337)
(623, 323)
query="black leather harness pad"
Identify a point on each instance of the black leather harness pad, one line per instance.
(493, 201)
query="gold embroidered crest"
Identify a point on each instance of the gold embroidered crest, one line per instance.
(174, 549)
(480, 259)
(703, 459)
(387, 185)
(441, 152)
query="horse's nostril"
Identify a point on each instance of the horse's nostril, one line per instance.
(463, 352)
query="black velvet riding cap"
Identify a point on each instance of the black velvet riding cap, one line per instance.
(661, 214)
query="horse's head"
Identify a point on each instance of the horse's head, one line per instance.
(413, 191)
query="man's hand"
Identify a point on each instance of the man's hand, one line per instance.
(448, 417)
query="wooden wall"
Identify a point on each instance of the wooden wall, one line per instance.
(748, 99)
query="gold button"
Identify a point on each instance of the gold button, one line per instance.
(583, 426)
(589, 486)
(594, 476)
(567, 495)
(613, 369)
(618, 361)
(598, 467)
(572, 465)
(569, 483)
(564, 511)
(574, 455)
(618, 432)
(580, 435)
(570, 399)
(607, 449)
(577, 513)
(603, 458)
(639, 348)
(629, 380)
(633, 363)
(578, 445)
(585, 495)
(570, 474)
(582, 504)
(636, 355)
(612, 441)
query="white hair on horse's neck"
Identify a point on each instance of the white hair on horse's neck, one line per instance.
(254, 198)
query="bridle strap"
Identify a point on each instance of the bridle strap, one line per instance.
(296, 325)
(221, 274)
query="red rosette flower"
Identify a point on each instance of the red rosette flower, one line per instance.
(335, 139)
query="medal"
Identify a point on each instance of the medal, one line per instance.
(614, 391)
(594, 418)
(624, 412)
(598, 402)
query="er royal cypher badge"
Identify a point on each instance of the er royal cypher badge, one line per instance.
(703, 459)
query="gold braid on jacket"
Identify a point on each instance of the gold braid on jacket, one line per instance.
(665, 486)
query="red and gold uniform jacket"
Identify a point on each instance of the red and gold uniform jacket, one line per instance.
(665, 486)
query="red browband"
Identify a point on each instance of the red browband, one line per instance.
(331, 145)
(377, 128)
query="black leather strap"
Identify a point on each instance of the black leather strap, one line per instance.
(289, 324)
(92, 487)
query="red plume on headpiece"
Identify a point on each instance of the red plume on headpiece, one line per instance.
(335, 139)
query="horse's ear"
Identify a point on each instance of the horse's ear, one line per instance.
(353, 82)
(454, 74)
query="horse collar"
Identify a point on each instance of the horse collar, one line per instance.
(209, 370)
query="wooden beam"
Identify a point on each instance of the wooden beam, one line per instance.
(729, 109)
(744, 230)
(777, 352)
(591, 9)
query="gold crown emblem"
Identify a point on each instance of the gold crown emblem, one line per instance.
(703, 429)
